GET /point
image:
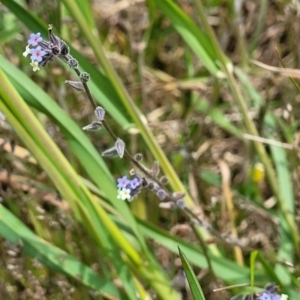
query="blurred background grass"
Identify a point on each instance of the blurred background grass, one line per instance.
(190, 74)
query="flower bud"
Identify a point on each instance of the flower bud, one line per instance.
(120, 147)
(181, 203)
(138, 157)
(77, 85)
(84, 77)
(163, 180)
(95, 126)
(161, 194)
(100, 113)
(73, 63)
(155, 168)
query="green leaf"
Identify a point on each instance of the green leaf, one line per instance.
(191, 277)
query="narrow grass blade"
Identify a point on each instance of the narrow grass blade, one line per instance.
(16, 232)
(9, 33)
(279, 155)
(191, 277)
(190, 32)
(226, 269)
(283, 182)
(218, 117)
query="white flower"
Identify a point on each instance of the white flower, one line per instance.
(27, 51)
(35, 66)
(284, 297)
(124, 194)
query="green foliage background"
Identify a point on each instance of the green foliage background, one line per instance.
(92, 245)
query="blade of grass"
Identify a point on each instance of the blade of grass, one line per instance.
(16, 232)
(285, 252)
(190, 32)
(279, 155)
(191, 277)
(224, 268)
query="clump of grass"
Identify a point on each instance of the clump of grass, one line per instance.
(219, 125)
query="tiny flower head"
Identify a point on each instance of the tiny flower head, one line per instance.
(34, 39)
(123, 182)
(35, 66)
(84, 77)
(264, 296)
(27, 51)
(161, 193)
(124, 194)
(268, 296)
(37, 54)
(134, 183)
(181, 203)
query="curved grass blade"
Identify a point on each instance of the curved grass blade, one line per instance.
(190, 32)
(224, 268)
(191, 277)
(12, 229)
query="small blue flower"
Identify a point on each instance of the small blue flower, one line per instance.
(134, 183)
(123, 182)
(34, 39)
(37, 54)
(276, 297)
(269, 296)
(265, 296)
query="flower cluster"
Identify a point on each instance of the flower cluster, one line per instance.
(128, 189)
(270, 292)
(43, 52)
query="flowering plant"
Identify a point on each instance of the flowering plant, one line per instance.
(43, 52)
